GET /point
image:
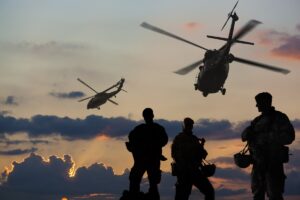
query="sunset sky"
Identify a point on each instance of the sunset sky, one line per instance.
(46, 45)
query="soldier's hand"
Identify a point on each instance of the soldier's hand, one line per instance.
(202, 140)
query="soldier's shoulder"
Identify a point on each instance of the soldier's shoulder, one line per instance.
(280, 115)
(257, 118)
(158, 126)
(179, 136)
(138, 128)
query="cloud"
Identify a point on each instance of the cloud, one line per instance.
(51, 48)
(226, 160)
(8, 142)
(10, 100)
(16, 152)
(292, 184)
(68, 95)
(192, 25)
(271, 37)
(294, 160)
(233, 174)
(290, 48)
(37, 176)
(283, 44)
(116, 127)
(5, 112)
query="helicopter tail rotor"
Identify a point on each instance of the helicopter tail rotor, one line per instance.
(229, 15)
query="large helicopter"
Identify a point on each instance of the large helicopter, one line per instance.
(102, 97)
(214, 67)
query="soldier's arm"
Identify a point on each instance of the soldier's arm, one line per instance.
(174, 148)
(164, 137)
(247, 134)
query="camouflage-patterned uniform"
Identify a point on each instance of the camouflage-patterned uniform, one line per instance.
(188, 154)
(266, 136)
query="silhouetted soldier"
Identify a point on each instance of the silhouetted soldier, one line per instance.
(188, 153)
(145, 143)
(266, 136)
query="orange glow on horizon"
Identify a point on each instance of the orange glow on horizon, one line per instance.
(289, 56)
(102, 137)
(64, 198)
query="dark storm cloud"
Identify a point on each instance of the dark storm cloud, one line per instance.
(67, 95)
(117, 127)
(37, 176)
(294, 159)
(8, 142)
(91, 126)
(5, 112)
(16, 152)
(34, 175)
(292, 184)
(226, 160)
(232, 174)
(10, 100)
(229, 192)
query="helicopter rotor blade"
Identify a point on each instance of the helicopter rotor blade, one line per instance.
(246, 29)
(229, 15)
(265, 66)
(242, 32)
(189, 68)
(112, 102)
(81, 81)
(85, 98)
(158, 30)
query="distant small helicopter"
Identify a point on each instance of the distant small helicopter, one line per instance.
(102, 97)
(214, 67)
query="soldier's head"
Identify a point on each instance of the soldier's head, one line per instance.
(263, 101)
(148, 115)
(188, 124)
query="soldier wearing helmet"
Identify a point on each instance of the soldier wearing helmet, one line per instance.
(188, 153)
(267, 136)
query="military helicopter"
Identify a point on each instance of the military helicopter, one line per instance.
(102, 97)
(214, 67)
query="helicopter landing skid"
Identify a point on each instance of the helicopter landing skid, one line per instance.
(196, 86)
(223, 91)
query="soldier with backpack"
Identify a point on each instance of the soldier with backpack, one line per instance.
(267, 136)
(188, 154)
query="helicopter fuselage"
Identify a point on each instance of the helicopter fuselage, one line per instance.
(100, 98)
(211, 79)
(213, 73)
